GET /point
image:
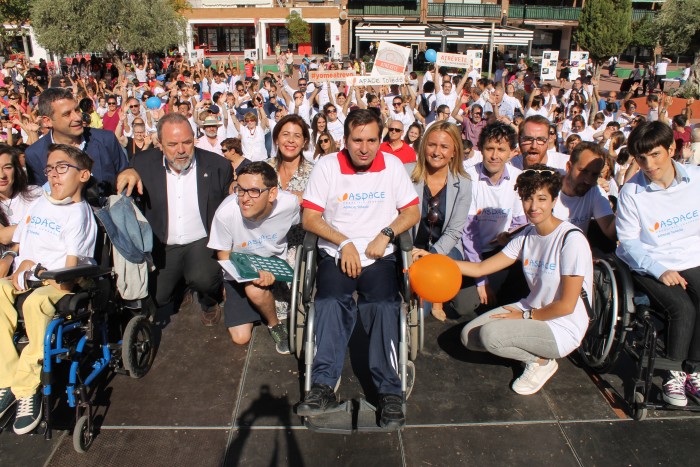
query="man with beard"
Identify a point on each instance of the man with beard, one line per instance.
(580, 198)
(534, 142)
(183, 187)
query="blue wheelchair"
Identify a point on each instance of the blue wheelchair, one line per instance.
(94, 331)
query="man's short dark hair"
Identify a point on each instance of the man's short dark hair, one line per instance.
(361, 117)
(173, 118)
(49, 96)
(77, 156)
(428, 87)
(680, 120)
(498, 131)
(595, 148)
(265, 170)
(649, 135)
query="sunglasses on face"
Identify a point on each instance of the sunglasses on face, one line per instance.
(331, 111)
(133, 106)
(396, 104)
(395, 130)
(111, 103)
(324, 140)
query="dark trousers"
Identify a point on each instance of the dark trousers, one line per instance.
(196, 264)
(682, 307)
(379, 304)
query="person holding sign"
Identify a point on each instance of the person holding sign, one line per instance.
(254, 220)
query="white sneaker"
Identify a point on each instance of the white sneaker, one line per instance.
(674, 389)
(534, 377)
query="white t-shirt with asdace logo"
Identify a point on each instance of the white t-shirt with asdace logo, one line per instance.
(579, 210)
(359, 204)
(493, 206)
(545, 260)
(50, 232)
(267, 237)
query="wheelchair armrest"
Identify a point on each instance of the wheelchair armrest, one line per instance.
(74, 272)
(405, 241)
(310, 240)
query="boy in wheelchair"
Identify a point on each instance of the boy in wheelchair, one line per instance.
(59, 231)
(658, 225)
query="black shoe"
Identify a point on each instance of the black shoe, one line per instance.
(320, 399)
(391, 411)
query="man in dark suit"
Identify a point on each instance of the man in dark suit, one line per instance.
(182, 188)
(60, 112)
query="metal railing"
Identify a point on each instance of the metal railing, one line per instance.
(383, 10)
(556, 13)
(472, 10)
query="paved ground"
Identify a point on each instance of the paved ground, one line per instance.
(207, 403)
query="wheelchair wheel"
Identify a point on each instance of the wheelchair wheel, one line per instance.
(138, 349)
(639, 413)
(414, 327)
(82, 435)
(296, 315)
(606, 331)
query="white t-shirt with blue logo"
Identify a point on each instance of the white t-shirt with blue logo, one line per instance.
(359, 205)
(579, 210)
(50, 232)
(545, 261)
(268, 237)
(493, 206)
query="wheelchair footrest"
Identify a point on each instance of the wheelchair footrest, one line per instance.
(350, 416)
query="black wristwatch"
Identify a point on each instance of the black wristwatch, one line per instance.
(389, 233)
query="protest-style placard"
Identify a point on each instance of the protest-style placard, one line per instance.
(548, 69)
(375, 80)
(471, 60)
(251, 54)
(391, 59)
(330, 75)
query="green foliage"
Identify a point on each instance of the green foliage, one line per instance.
(111, 27)
(298, 29)
(14, 11)
(604, 28)
(644, 33)
(678, 23)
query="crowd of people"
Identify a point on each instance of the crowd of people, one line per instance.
(519, 182)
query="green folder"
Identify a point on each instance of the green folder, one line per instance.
(249, 265)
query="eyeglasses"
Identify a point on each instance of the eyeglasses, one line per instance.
(302, 84)
(111, 103)
(541, 140)
(396, 104)
(60, 168)
(552, 133)
(133, 106)
(331, 111)
(476, 114)
(324, 140)
(395, 130)
(253, 193)
(544, 172)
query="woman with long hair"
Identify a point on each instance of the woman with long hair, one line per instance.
(324, 145)
(413, 135)
(444, 191)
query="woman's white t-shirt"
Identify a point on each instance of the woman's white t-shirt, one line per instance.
(545, 260)
(16, 208)
(253, 143)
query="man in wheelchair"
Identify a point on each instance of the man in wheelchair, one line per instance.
(59, 231)
(357, 201)
(658, 225)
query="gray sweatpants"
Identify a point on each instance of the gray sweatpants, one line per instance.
(525, 340)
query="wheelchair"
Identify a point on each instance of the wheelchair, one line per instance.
(94, 330)
(624, 321)
(352, 416)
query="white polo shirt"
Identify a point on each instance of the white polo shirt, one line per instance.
(266, 237)
(659, 229)
(358, 204)
(205, 144)
(184, 219)
(579, 210)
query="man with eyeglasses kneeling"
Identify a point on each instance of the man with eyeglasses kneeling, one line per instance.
(254, 220)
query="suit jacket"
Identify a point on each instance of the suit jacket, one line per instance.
(101, 145)
(214, 176)
(459, 199)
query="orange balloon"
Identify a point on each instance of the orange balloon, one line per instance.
(435, 278)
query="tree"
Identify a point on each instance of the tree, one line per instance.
(679, 30)
(644, 34)
(298, 29)
(604, 29)
(12, 12)
(110, 27)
